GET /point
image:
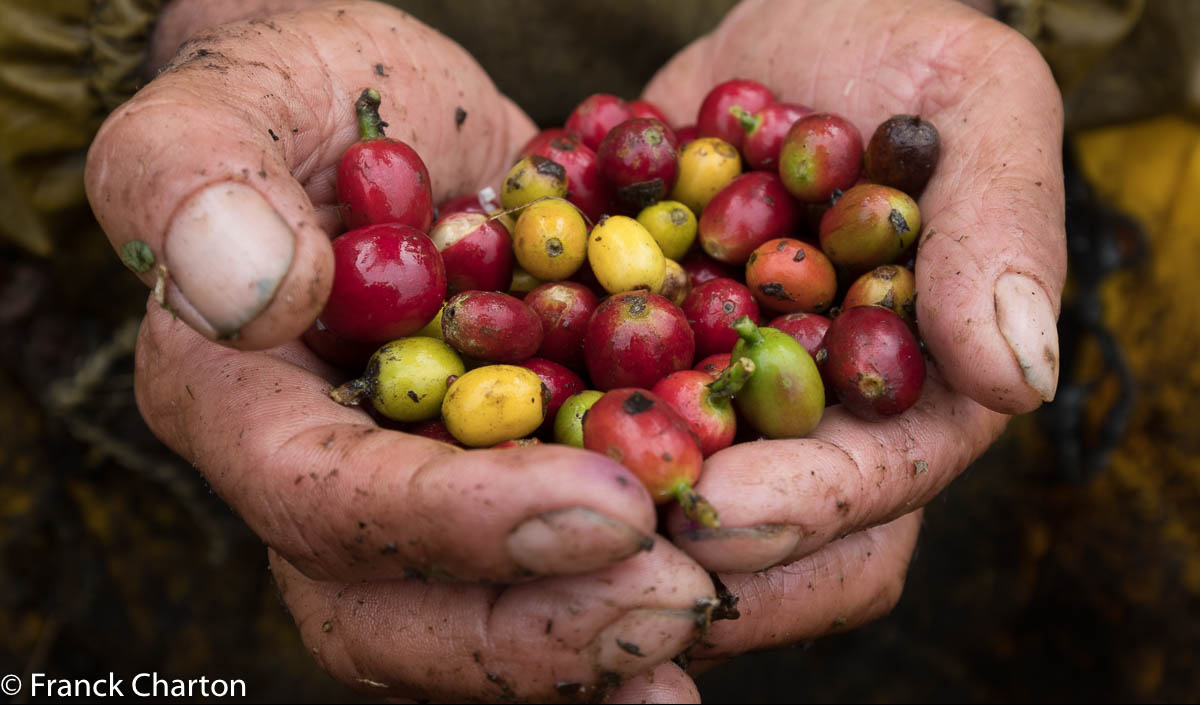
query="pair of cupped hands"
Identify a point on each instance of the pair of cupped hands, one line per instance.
(417, 570)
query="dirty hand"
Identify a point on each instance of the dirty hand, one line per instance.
(323, 486)
(224, 168)
(990, 270)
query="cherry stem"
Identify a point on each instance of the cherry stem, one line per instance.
(370, 126)
(748, 122)
(747, 331)
(695, 507)
(350, 393)
(539, 199)
(731, 381)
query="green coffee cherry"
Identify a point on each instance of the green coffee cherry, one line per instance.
(784, 398)
(406, 379)
(568, 424)
(672, 225)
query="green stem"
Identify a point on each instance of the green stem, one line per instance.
(350, 393)
(748, 122)
(747, 331)
(370, 126)
(731, 381)
(695, 507)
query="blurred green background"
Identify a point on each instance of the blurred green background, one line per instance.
(1062, 566)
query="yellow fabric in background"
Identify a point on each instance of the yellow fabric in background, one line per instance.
(1151, 170)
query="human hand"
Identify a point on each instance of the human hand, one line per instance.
(160, 397)
(832, 527)
(313, 478)
(990, 269)
(336, 497)
(225, 164)
(535, 641)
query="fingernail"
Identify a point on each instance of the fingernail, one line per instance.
(1026, 320)
(644, 638)
(745, 549)
(575, 540)
(227, 251)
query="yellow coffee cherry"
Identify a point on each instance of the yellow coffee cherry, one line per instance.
(673, 226)
(624, 256)
(706, 165)
(493, 404)
(406, 379)
(532, 178)
(550, 241)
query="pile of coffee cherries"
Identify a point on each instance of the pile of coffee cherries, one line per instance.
(650, 293)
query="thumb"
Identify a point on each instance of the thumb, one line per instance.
(991, 262)
(217, 181)
(193, 198)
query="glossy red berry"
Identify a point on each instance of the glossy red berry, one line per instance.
(491, 326)
(638, 162)
(718, 117)
(711, 309)
(635, 339)
(544, 138)
(765, 131)
(714, 365)
(565, 309)
(750, 210)
(388, 282)
(595, 116)
(807, 328)
(476, 250)
(705, 402)
(643, 433)
(382, 180)
(873, 362)
(821, 153)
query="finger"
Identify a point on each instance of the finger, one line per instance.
(991, 263)
(849, 583)
(555, 639)
(781, 500)
(992, 258)
(224, 166)
(666, 684)
(340, 497)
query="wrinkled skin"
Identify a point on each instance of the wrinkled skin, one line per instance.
(310, 476)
